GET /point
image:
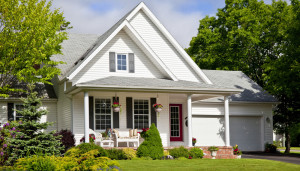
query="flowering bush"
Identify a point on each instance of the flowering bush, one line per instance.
(194, 140)
(236, 150)
(92, 138)
(144, 132)
(157, 106)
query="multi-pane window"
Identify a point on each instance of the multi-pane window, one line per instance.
(102, 114)
(141, 114)
(175, 121)
(121, 62)
(17, 115)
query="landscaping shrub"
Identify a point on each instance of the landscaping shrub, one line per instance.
(179, 152)
(196, 153)
(270, 148)
(67, 139)
(36, 163)
(86, 147)
(116, 154)
(152, 146)
(129, 153)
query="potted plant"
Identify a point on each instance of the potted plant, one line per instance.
(158, 107)
(213, 150)
(237, 152)
(194, 140)
(116, 106)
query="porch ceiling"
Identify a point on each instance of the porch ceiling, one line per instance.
(135, 84)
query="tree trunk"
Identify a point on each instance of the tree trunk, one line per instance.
(287, 142)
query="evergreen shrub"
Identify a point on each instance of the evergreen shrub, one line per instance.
(116, 154)
(179, 152)
(129, 153)
(152, 145)
(86, 147)
(196, 153)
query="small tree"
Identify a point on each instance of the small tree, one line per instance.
(152, 146)
(30, 139)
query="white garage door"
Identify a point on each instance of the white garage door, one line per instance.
(246, 132)
(209, 130)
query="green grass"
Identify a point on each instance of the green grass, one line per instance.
(291, 152)
(292, 148)
(206, 164)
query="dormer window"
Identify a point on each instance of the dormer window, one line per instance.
(121, 62)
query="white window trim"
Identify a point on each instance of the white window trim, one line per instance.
(94, 113)
(15, 108)
(127, 62)
(149, 109)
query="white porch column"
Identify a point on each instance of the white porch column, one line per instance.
(86, 117)
(189, 114)
(226, 107)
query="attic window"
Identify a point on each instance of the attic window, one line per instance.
(122, 62)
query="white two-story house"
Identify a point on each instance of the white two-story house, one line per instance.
(138, 63)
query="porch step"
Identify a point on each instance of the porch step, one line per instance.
(223, 153)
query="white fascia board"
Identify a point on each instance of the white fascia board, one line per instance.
(158, 61)
(89, 58)
(170, 38)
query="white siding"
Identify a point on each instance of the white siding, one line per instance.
(64, 116)
(162, 47)
(98, 67)
(78, 113)
(3, 112)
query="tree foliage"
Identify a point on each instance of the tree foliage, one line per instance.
(29, 34)
(262, 40)
(30, 138)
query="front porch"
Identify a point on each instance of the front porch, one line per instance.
(92, 110)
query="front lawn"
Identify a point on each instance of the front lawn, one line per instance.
(292, 148)
(206, 164)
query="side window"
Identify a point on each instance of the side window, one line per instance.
(17, 115)
(122, 62)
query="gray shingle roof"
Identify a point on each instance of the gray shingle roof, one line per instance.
(237, 79)
(152, 83)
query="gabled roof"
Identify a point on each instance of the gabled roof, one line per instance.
(251, 91)
(123, 22)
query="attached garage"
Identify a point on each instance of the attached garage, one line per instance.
(246, 131)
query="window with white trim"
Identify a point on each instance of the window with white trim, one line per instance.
(102, 114)
(17, 115)
(122, 62)
(141, 113)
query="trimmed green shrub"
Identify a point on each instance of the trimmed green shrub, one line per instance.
(86, 147)
(196, 153)
(270, 148)
(67, 139)
(179, 152)
(129, 153)
(116, 154)
(152, 146)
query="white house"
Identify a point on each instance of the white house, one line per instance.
(138, 63)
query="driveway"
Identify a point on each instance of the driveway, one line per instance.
(271, 156)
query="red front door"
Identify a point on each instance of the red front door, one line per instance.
(176, 122)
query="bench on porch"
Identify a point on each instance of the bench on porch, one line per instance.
(124, 136)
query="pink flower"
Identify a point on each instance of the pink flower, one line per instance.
(1, 153)
(4, 145)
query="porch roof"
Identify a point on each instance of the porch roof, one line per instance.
(154, 84)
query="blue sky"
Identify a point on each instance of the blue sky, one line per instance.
(180, 17)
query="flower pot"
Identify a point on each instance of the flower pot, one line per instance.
(213, 154)
(238, 156)
(158, 109)
(116, 109)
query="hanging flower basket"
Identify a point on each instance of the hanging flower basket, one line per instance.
(116, 107)
(158, 107)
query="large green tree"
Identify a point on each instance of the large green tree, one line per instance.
(30, 33)
(262, 40)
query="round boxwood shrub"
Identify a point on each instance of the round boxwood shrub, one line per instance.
(152, 146)
(179, 152)
(86, 147)
(196, 153)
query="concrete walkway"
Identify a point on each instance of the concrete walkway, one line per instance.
(270, 156)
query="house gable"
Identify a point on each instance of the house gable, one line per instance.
(121, 43)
